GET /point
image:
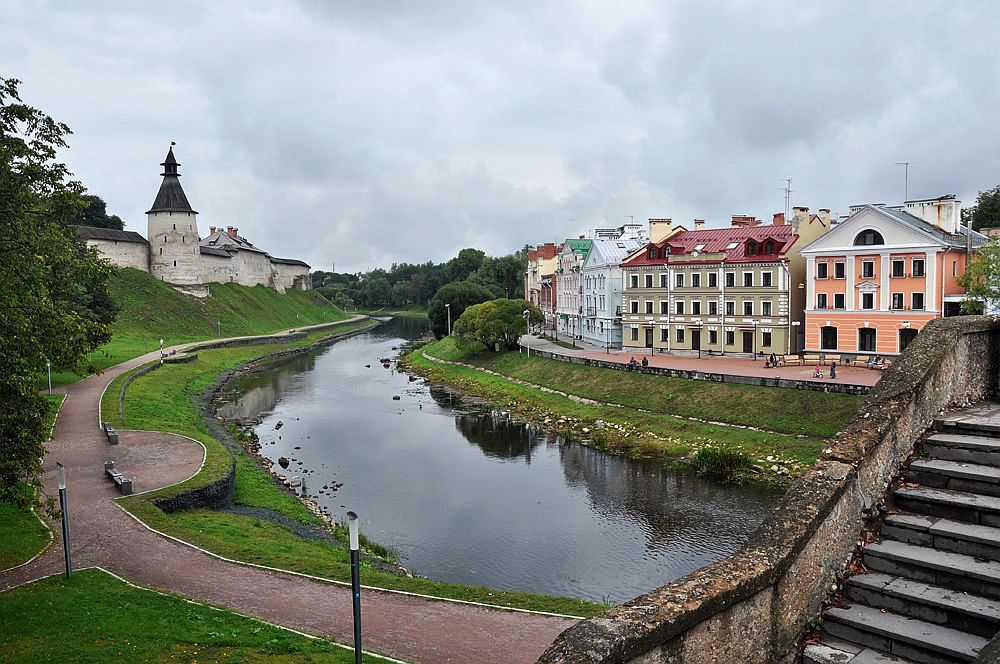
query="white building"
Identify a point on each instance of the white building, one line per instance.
(602, 287)
(569, 286)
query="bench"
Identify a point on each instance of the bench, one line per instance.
(123, 483)
(830, 357)
(789, 361)
(110, 432)
(811, 358)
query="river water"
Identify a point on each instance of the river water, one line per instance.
(470, 496)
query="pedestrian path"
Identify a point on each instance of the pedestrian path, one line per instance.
(402, 626)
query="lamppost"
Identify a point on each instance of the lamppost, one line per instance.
(698, 322)
(754, 347)
(48, 365)
(447, 307)
(352, 522)
(64, 508)
(527, 337)
(794, 331)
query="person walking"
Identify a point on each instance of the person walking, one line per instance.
(833, 369)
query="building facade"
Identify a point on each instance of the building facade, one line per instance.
(541, 261)
(883, 273)
(602, 287)
(569, 287)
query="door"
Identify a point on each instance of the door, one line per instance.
(748, 342)
(695, 339)
(828, 338)
(649, 337)
(905, 337)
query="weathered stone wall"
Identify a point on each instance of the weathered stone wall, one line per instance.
(216, 269)
(287, 277)
(123, 254)
(753, 606)
(174, 250)
(216, 495)
(252, 268)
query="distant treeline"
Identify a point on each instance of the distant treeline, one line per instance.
(406, 284)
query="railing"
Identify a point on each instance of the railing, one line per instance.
(591, 311)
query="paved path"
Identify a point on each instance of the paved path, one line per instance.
(401, 626)
(735, 366)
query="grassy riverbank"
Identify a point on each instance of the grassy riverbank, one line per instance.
(170, 398)
(149, 310)
(102, 619)
(651, 416)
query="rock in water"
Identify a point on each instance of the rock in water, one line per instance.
(283, 462)
(279, 425)
(395, 397)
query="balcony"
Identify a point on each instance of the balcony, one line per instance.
(591, 311)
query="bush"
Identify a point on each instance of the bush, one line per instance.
(460, 295)
(499, 321)
(721, 462)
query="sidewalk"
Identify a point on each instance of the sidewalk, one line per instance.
(719, 364)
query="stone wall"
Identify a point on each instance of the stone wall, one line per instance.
(216, 269)
(174, 250)
(215, 495)
(287, 277)
(123, 254)
(252, 268)
(754, 606)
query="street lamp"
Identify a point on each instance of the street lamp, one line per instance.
(754, 347)
(447, 307)
(795, 324)
(64, 508)
(352, 523)
(48, 365)
(698, 322)
(527, 337)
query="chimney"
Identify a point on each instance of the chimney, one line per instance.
(779, 219)
(659, 229)
(699, 224)
(744, 221)
(800, 215)
(211, 230)
(824, 216)
(231, 231)
(945, 212)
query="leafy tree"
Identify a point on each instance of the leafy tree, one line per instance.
(495, 322)
(463, 265)
(94, 212)
(986, 212)
(54, 303)
(460, 295)
(982, 280)
(504, 276)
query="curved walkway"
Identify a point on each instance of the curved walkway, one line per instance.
(102, 534)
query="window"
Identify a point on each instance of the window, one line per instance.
(634, 280)
(868, 237)
(732, 245)
(839, 301)
(821, 270)
(663, 335)
(765, 279)
(751, 248)
(897, 300)
(868, 300)
(175, 227)
(696, 280)
(651, 253)
(821, 300)
(839, 270)
(713, 308)
(828, 338)
(730, 279)
(748, 307)
(769, 247)
(175, 263)
(696, 308)
(161, 251)
(868, 269)
(649, 281)
(954, 267)
(918, 301)
(680, 335)
(635, 334)
(898, 268)
(663, 280)
(713, 337)
(730, 338)
(664, 307)
(649, 307)
(765, 339)
(730, 308)
(679, 280)
(866, 339)
(635, 306)
(918, 267)
(765, 308)
(748, 279)
(679, 307)
(713, 280)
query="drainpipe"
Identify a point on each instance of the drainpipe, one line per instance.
(788, 315)
(722, 280)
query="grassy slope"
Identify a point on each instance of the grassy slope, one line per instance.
(151, 310)
(665, 431)
(166, 401)
(101, 619)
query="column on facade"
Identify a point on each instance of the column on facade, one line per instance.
(883, 282)
(930, 282)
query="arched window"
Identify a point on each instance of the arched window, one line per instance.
(751, 248)
(868, 237)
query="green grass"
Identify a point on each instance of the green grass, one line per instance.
(22, 535)
(151, 310)
(94, 617)
(166, 400)
(653, 417)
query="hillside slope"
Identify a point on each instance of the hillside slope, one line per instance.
(150, 310)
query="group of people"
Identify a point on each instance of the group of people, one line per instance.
(632, 363)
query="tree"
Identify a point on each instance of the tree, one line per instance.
(54, 302)
(504, 276)
(495, 322)
(986, 212)
(94, 212)
(982, 280)
(460, 295)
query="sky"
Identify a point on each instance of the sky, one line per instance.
(357, 134)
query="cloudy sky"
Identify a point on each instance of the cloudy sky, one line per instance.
(363, 133)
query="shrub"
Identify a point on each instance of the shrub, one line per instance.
(721, 462)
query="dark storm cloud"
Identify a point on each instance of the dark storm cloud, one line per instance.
(366, 133)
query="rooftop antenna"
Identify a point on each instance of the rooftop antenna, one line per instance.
(631, 218)
(788, 193)
(906, 179)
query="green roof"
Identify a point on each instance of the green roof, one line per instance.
(581, 247)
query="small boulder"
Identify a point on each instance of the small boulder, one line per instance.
(283, 462)
(395, 397)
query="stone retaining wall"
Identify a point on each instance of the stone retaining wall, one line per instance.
(763, 381)
(754, 606)
(215, 495)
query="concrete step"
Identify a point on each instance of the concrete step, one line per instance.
(943, 534)
(901, 636)
(954, 571)
(961, 422)
(941, 606)
(957, 475)
(951, 504)
(957, 447)
(835, 651)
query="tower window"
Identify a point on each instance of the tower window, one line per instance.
(161, 251)
(175, 263)
(183, 239)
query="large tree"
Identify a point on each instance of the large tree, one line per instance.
(985, 213)
(497, 322)
(460, 295)
(94, 212)
(54, 302)
(982, 281)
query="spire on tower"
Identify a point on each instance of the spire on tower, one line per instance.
(171, 196)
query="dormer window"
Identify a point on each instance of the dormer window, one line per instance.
(652, 252)
(769, 247)
(868, 237)
(751, 248)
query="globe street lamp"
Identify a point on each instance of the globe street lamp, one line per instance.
(794, 331)
(754, 347)
(447, 307)
(698, 322)
(527, 337)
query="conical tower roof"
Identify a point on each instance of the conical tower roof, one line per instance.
(170, 197)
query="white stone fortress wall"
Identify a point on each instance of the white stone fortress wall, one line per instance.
(175, 256)
(123, 254)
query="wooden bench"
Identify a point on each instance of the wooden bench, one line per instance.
(811, 358)
(110, 432)
(789, 361)
(123, 483)
(831, 357)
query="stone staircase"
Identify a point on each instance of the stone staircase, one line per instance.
(932, 591)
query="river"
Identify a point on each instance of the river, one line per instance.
(468, 495)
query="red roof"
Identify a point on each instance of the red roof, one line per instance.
(716, 240)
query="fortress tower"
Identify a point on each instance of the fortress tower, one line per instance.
(174, 253)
